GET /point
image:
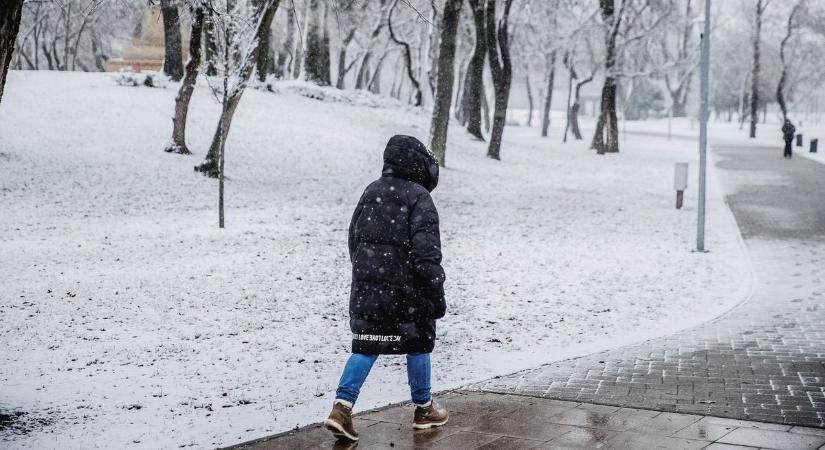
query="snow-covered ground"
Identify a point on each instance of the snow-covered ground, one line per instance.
(129, 320)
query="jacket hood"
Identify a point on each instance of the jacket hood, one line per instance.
(406, 157)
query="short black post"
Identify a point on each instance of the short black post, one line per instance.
(814, 142)
(799, 140)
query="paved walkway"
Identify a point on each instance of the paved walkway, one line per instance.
(488, 421)
(765, 359)
(759, 370)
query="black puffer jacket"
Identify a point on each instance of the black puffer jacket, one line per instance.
(395, 249)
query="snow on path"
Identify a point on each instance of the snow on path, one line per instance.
(129, 320)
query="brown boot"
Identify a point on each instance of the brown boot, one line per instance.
(430, 416)
(340, 424)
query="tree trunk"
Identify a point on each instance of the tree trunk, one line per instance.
(498, 48)
(611, 121)
(300, 51)
(264, 52)
(780, 87)
(211, 164)
(285, 57)
(210, 46)
(529, 97)
(608, 120)
(471, 101)
(173, 56)
(571, 76)
(178, 144)
(444, 81)
(598, 137)
(343, 67)
(362, 78)
(9, 26)
(755, 69)
(574, 110)
(548, 99)
(316, 61)
(419, 95)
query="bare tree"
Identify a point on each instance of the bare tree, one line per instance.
(187, 86)
(173, 58)
(548, 95)
(9, 26)
(783, 77)
(606, 137)
(444, 85)
(574, 89)
(498, 50)
(264, 58)
(683, 59)
(757, 33)
(471, 101)
(416, 85)
(286, 53)
(316, 59)
(238, 60)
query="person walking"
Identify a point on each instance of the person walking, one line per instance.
(788, 133)
(397, 290)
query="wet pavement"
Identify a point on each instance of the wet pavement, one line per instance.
(489, 421)
(753, 378)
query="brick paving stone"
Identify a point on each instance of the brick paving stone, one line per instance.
(765, 359)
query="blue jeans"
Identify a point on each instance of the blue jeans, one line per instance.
(359, 365)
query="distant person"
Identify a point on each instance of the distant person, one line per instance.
(788, 133)
(397, 288)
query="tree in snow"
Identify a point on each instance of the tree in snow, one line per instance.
(445, 79)
(757, 36)
(316, 58)
(473, 91)
(408, 57)
(784, 58)
(9, 25)
(187, 86)
(238, 27)
(173, 59)
(501, 68)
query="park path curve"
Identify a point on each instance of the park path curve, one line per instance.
(765, 359)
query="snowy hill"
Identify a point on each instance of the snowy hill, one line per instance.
(131, 321)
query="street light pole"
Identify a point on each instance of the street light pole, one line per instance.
(703, 128)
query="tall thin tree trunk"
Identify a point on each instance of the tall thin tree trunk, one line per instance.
(178, 144)
(445, 79)
(529, 98)
(569, 111)
(9, 26)
(755, 69)
(210, 46)
(471, 102)
(498, 48)
(574, 110)
(173, 54)
(316, 60)
(548, 99)
(282, 68)
(300, 50)
(780, 87)
(264, 55)
(608, 122)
